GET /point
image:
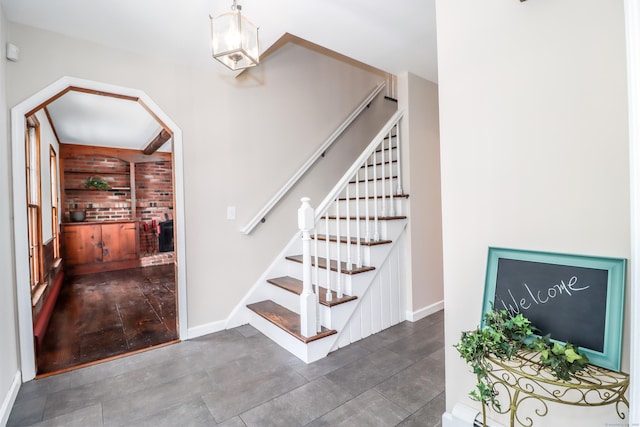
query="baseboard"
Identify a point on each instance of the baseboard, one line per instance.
(9, 399)
(414, 316)
(464, 416)
(206, 329)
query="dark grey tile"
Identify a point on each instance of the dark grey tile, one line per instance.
(135, 381)
(233, 422)
(333, 361)
(298, 407)
(430, 415)
(247, 331)
(369, 409)
(240, 375)
(89, 416)
(43, 386)
(414, 386)
(124, 365)
(369, 371)
(27, 411)
(188, 414)
(420, 344)
(147, 402)
(238, 387)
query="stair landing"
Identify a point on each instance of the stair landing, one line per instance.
(286, 320)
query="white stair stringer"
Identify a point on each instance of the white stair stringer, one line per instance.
(383, 302)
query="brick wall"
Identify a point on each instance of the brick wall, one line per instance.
(154, 191)
(99, 205)
(154, 203)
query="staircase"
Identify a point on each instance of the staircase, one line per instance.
(341, 278)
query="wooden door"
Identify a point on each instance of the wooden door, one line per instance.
(119, 241)
(82, 244)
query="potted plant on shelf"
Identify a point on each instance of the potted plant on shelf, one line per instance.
(502, 337)
(95, 182)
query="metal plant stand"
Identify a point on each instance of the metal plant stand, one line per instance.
(528, 384)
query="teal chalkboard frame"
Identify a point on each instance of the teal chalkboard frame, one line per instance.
(610, 357)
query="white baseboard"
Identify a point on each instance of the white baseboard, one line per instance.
(464, 416)
(206, 329)
(9, 399)
(414, 316)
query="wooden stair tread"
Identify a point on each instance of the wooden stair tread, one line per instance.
(378, 163)
(363, 218)
(395, 196)
(295, 286)
(286, 320)
(322, 263)
(371, 179)
(354, 240)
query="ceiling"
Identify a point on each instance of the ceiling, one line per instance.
(393, 36)
(103, 121)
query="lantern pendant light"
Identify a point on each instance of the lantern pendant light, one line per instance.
(234, 39)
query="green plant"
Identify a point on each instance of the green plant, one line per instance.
(503, 336)
(96, 182)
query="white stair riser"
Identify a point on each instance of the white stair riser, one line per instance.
(383, 207)
(394, 151)
(363, 190)
(308, 353)
(379, 170)
(352, 284)
(384, 228)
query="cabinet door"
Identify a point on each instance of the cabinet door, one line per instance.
(82, 244)
(119, 241)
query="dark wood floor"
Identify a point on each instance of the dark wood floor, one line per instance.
(102, 315)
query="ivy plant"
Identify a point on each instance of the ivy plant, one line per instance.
(503, 336)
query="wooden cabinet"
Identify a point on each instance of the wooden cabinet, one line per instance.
(93, 247)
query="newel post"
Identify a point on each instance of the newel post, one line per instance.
(306, 223)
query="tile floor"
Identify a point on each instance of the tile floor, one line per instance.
(240, 378)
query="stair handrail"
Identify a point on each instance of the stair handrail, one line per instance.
(260, 216)
(337, 189)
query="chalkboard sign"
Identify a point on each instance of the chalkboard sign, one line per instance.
(577, 299)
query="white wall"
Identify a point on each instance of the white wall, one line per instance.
(243, 138)
(8, 324)
(421, 158)
(533, 122)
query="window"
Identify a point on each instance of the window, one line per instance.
(55, 218)
(34, 213)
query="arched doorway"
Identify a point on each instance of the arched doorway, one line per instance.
(18, 132)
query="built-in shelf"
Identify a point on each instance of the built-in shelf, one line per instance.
(97, 173)
(96, 189)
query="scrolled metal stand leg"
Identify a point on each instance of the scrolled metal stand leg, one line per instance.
(512, 409)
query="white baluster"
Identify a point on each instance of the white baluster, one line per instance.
(338, 254)
(327, 246)
(392, 210)
(399, 190)
(383, 179)
(308, 308)
(317, 278)
(348, 231)
(367, 232)
(376, 230)
(358, 245)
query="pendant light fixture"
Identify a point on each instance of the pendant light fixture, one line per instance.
(234, 39)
